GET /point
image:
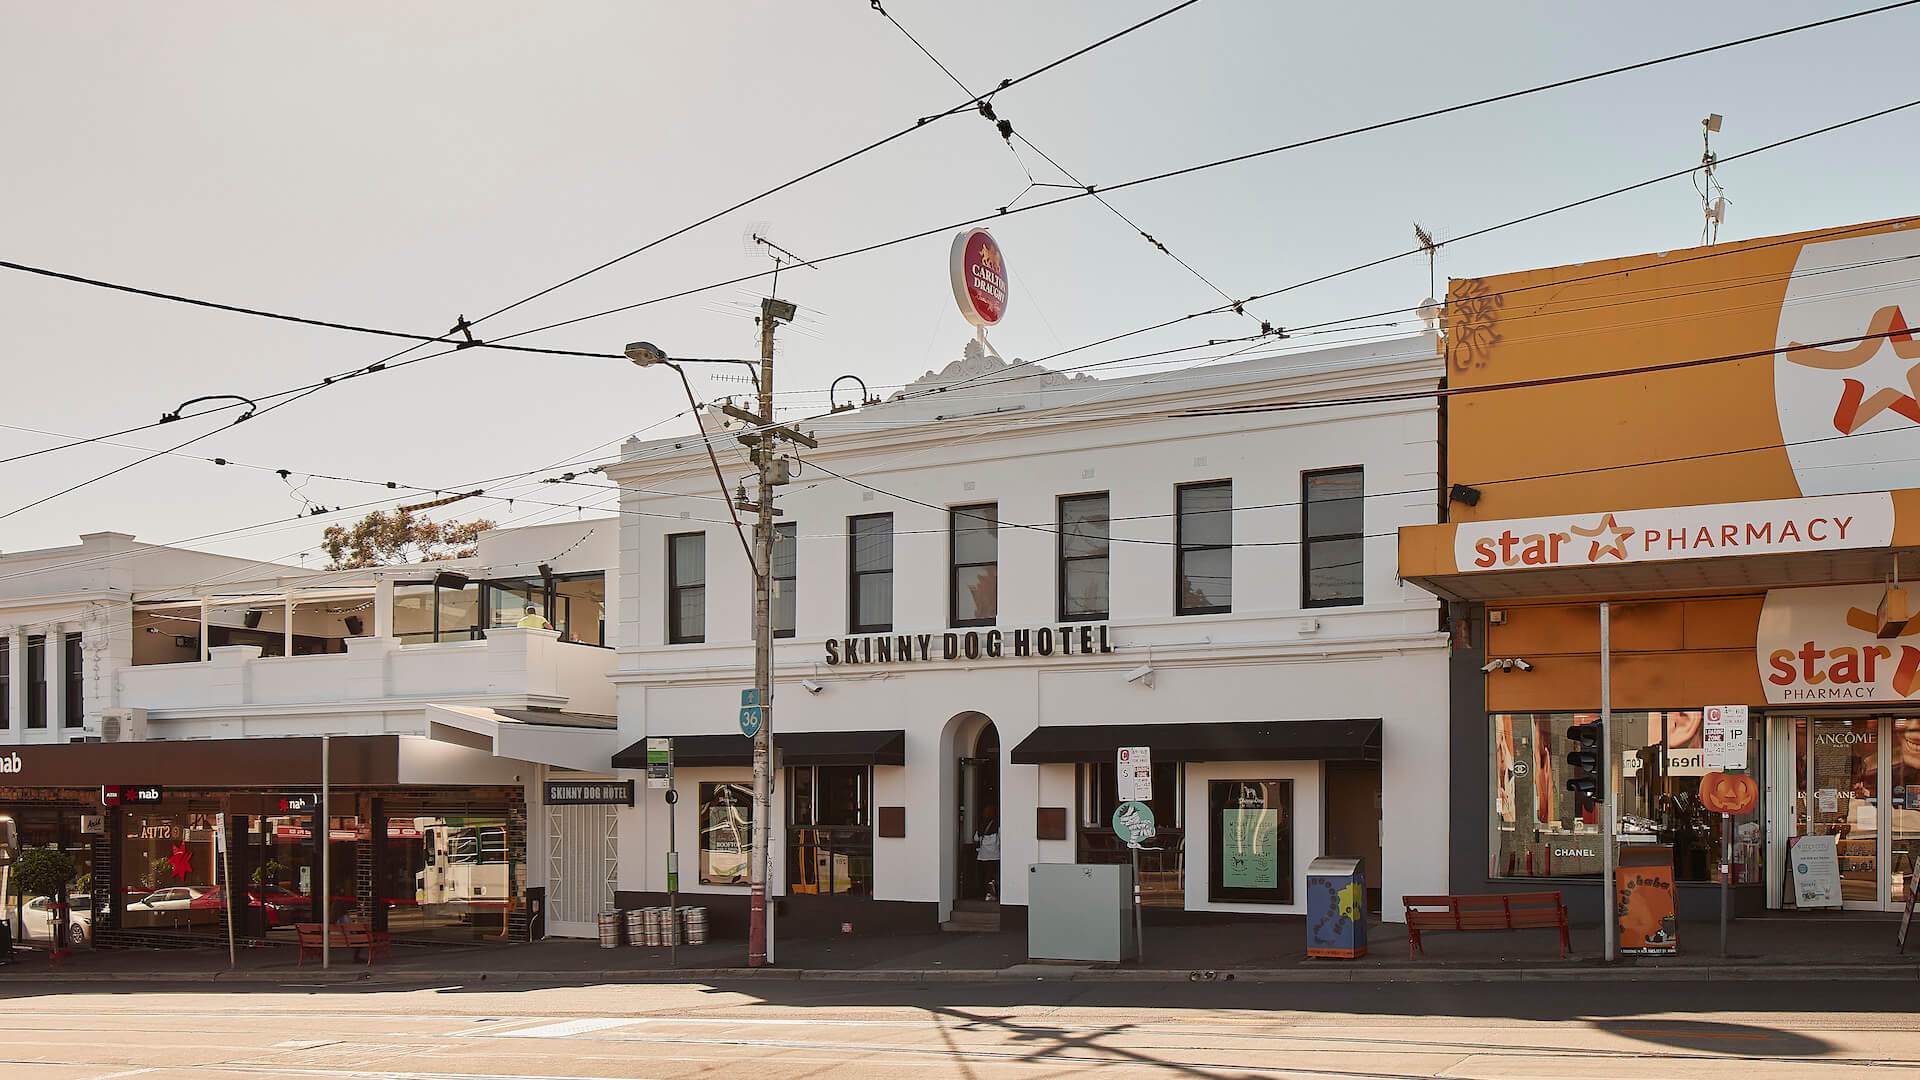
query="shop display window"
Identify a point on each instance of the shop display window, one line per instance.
(830, 830)
(1163, 864)
(1250, 859)
(169, 868)
(1540, 829)
(726, 833)
(447, 872)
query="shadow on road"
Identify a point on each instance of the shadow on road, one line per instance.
(1717, 1038)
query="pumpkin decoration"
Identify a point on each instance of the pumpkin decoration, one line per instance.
(1729, 793)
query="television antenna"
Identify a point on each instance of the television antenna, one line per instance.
(1429, 309)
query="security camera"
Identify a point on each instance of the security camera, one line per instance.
(1143, 675)
(1490, 667)
(810, 686)
(1523, 665)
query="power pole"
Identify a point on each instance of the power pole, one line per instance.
(763, 439)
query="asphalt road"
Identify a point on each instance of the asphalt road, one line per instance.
(779, 1030)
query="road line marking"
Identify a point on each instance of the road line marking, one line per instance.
(564, 1028)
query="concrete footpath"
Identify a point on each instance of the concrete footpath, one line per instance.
(1786, 947)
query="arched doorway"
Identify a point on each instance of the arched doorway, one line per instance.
(978, 816)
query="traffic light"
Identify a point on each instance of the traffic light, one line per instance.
(1587, 778)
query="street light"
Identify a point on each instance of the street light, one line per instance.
(762, 439)
(645, 353)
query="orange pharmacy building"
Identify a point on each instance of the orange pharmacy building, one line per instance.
(1722, 445)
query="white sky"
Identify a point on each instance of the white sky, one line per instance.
(398, 165)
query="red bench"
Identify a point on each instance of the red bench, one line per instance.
(355, 936)
(1492, 911)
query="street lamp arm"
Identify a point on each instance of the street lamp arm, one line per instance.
(714, 459)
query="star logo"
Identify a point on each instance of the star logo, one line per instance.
(1887, 329)
(1616, 534)
(180, 862)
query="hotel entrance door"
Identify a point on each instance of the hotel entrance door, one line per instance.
(1858, 779)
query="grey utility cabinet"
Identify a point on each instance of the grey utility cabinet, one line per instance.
(1080, 912)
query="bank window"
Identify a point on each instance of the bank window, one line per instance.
(1540, 829)
(1250, 855)
(726, 833)
(973, 585)
(74, 708)
(1085, 535)
(686, 588)
(870, 574)
(786, 567)
(6, 683)
(1162, 876)
(830, 830)
(37, 681)
(1332, 533)
(1204, 543)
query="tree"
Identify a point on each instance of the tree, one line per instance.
(41, 872)
(381, 538)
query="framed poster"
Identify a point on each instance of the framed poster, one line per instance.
(1250, 854)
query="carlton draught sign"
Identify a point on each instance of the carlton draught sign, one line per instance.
(979, 275)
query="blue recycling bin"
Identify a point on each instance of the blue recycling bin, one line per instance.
(1336, 908)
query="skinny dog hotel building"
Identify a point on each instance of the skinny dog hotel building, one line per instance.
(983, 593)
(1720, 447)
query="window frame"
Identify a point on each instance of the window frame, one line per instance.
(954, 565)
(36, 682)
(806, 832)
(73, 658)
(676, 635)
(856, 576)
(791, 582)
(1181, 547)
(1062, 559)
(1308, 540)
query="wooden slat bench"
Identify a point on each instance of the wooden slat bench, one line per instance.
(355, 936)
(1492, 911)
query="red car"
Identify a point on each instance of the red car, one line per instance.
(283, 906)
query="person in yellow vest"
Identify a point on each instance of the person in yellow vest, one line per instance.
(533, 620)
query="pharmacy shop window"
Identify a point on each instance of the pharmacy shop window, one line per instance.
(1539, 829)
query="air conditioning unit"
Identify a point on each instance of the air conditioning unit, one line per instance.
(123, 725)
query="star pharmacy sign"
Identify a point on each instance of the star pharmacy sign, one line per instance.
(1773, 527)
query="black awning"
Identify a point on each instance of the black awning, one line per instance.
(1282, 740)
(796, 748)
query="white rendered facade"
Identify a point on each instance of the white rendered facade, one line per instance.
(1023, 445)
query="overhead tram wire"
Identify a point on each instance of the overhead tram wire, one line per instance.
(379, 365)
(295, 521)
(973, 101)
(727, 436)
(1001, 375)
(468, 341)
(1008, 133)
(1240, 158)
